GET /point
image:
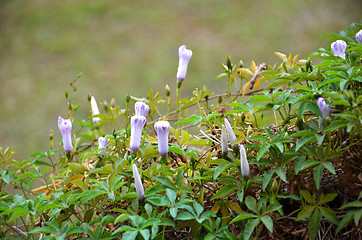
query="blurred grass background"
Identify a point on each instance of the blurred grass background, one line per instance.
(130, 46)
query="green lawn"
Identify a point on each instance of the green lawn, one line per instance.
(130, 46)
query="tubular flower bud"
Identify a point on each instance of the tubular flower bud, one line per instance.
(325, 109)
(359, 36)
(162, 128)
(141, 109)
(245, 170)
(139, 187)
(338, 48)
(65, 127)
(230, 132)
(95, 110)
(102, 145)
(224, 140)
(137, 123)
(184, 58)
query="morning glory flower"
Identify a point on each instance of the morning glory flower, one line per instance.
(245, 170)
(95, 110)
(325, 109)
(65, 127)
(139, 187)
(137, 123)
(230, 132)
(338, 48)
(141, 109)
(359, 36)
(162, 128)
(102, 144)
(224, 140)
(184, 58)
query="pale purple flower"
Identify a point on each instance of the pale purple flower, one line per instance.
(230, 132)
(137, 123)
(102, 145)
(141, 109)
(65, 127)
(359, 36)
(338, 48)
(224, 140)
(95, 110)
(162, 128)
(139, 187)
(184, 58)
(245, 170)
(325, 109)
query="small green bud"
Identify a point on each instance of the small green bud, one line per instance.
(89, 97)
(219, 100)
(128, 97)
(168, 91)
(241, 64)
(228, 62)
(275, 187)
(51, 139)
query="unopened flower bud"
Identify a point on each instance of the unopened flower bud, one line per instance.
(230, 132)
(359, 36)
(245, 170)
(168, 91)
(241, 64)
(139, 187)
(228, 62)
(325, 109)
(137, 123)
(102, 145)
(65, 127)
(141, 109)
(95, 110)
(338, 48)
(224, 140)
(162, 128)
(184, 58)
(128, 97)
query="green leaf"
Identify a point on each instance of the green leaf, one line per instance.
(329, 214)
(130, 235)
(171, 196)
(317, 175)
(268, 222)
(282, 173)
(304, 140)
(224, 191)
(220, 169)
(242, 217)
(263, 149)
(306, 212)
(249, 227)
(145, 233)
(307, 197)
(314, 223)
(266, 178)
(329, 166)
(346, 219)
(90, 194)
(326, 198)
(184, 216)
(314, 108)
(250, 202)
(259, 138)
(173, 147)
(335, 125)
(356, 204)
(166, 182)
